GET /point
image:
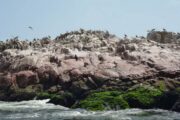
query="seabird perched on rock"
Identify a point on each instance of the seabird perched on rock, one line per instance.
(76, 57)
(153, 30)
(164, 30)
(125, 36)
(30, 27)
(142, 37)
(115, 63)
(86, 64)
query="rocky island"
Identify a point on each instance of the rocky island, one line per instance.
(94, 70)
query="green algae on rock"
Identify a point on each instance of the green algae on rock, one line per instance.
(106, 100)
(143, 97)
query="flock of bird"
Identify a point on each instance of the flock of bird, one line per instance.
(125, 35)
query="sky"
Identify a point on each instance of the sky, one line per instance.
(119, 17)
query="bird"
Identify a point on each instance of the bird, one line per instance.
(125, 36)
(142, 37)
(164, 29)
(153, 30)
(76, 57)
(30, 27)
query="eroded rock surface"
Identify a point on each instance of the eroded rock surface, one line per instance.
(81, 61)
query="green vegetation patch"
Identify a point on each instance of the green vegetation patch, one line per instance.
(46, 95)
(161, 86)
(143, 97)
(103, 101)
(140, 97)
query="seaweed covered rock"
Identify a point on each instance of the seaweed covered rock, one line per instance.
(143, 97)
(106, 100)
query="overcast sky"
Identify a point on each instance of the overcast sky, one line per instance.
(52, 17)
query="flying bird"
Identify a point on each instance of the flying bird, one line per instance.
(30, 27)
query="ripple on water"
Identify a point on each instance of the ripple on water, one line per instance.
(41, 110)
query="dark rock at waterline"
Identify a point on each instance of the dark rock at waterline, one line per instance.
(168, 100)
(62, 98)
(176, 106)
(17, 96)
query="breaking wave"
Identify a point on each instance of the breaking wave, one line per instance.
(42, 110)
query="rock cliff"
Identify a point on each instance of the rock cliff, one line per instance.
(81, 61)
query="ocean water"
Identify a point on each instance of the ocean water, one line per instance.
(41, 110)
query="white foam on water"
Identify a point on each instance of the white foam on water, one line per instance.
(128, 114)
(98, 115)
(42, 110)
(24, 116)
(31, 104)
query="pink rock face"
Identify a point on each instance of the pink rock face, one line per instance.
(25, 78)
(80, 62)
(129, 59)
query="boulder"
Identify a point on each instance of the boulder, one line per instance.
(79, 87)
(47, 76)
(25, 78)
(5, 82)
